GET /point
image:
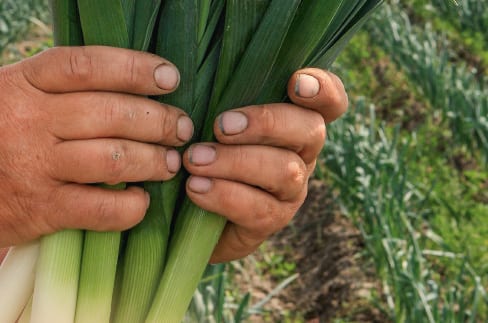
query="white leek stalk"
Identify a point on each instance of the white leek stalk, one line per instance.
(17, 274)
(26, 313)
(58, 272)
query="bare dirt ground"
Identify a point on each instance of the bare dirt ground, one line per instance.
(333, 279)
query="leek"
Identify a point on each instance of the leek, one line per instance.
(26, 315)
(58, 268)
(57, 275)
(17, 273)
(103, 23)
(230, 53)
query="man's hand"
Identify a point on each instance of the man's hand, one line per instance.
(74, 116)
(257, 173)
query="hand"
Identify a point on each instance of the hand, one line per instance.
(257, 174)
(67, 121)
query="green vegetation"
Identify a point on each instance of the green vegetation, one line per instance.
(414, 180)
(17, 17)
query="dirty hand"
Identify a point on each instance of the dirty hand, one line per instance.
(77, 115)
(257, 174)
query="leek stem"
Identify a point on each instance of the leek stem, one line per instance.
(195, 236)
(26, 313)
(58, 268)
(103, 23)
(17, 273)
(143, 262)
(58, 271)
(97, 279)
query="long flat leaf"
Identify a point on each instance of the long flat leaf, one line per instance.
(256, 63)
(312, 21)
(103, 23)
(204, 10)
(66, 21)
(210, 32)
(350, 26)
(177, 41)
(146, 14)
(129, 8)
(325, 57)
(242, 18)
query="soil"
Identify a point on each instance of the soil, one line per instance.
(334, 280)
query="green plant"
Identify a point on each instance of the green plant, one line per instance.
(276, 265)
(369, 165)
(453, 90)
(16, 18)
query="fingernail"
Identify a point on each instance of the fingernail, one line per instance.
(306, 86)
(173, 161)
(202, 155)
(167, 77)
(199, 184)
(232, 123)
(184, 128)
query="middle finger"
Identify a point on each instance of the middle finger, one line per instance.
(278, 171)
(87, 115)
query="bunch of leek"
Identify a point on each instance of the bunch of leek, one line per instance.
(230, 53)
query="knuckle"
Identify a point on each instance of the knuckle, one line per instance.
(161, 169)
(294, 175)
(130, 70)
(239, 157)
(246, 242)
(228, 201)
(136, 206)
(113, 110)
(166, 123)
(80, 65)
(318, 130)
(116, 161)
(271, 219)
(268, 120)
(104, 212)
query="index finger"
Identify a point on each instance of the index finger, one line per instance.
(100, 68)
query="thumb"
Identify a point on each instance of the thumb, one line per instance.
(318, 90)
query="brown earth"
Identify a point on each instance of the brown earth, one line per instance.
(333, 279)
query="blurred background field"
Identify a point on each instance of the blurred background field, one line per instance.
(396, 225)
